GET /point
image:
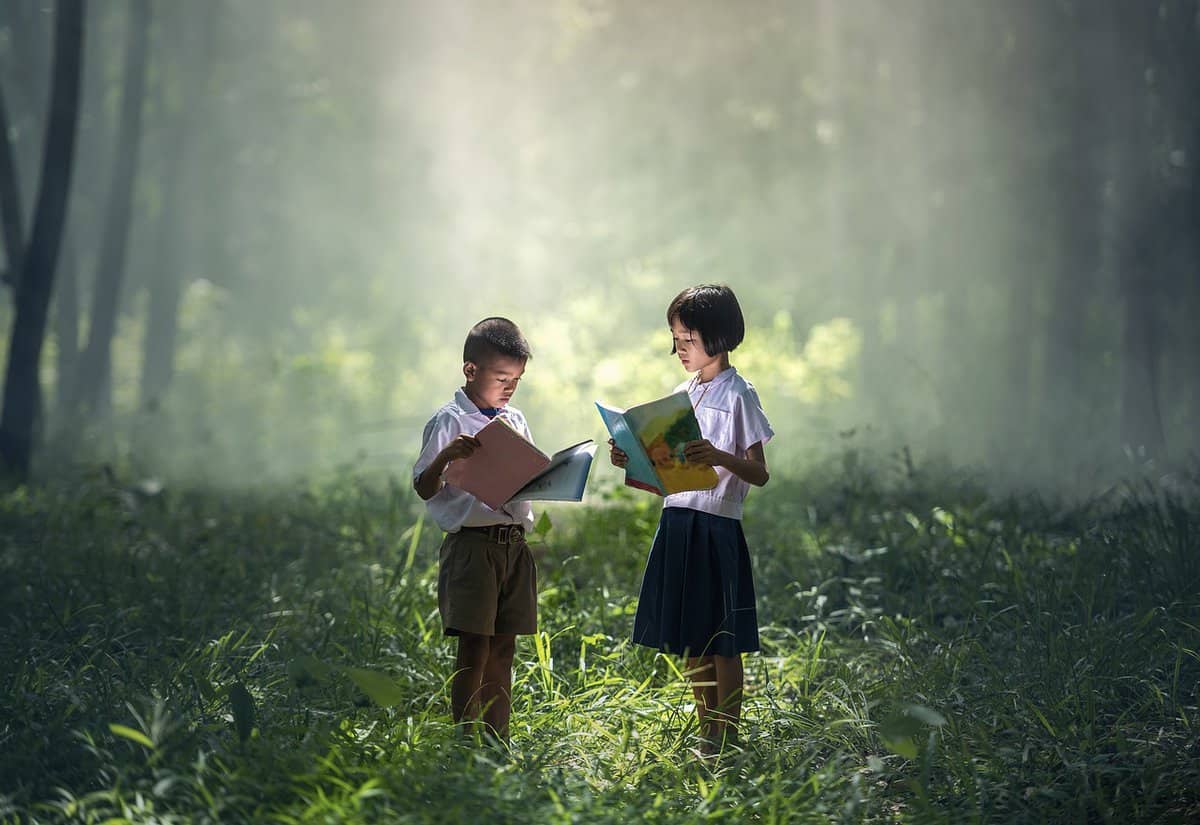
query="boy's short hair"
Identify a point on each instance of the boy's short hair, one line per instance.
(495, 336)
(713, 311)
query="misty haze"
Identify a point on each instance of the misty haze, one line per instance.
(948, 232)
(242, 245)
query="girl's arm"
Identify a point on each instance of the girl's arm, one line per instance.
(751, 469)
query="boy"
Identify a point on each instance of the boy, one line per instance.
(487, 581)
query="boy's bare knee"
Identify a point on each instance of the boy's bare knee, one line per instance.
(503, 647)
(473, 649)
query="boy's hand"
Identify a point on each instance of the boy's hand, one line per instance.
(429, 482)
(703, 452)
(461, 447)
(616, 455)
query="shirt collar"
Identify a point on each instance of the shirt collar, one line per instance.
(465, 404)
(468, 407)
(720, 378)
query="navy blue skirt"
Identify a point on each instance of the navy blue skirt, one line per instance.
(697, 595)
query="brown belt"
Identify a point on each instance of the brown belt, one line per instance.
(501, 533)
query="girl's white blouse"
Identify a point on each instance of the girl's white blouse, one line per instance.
(732, 418)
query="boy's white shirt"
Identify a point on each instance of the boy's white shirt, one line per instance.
(451, 507)
(732, 418)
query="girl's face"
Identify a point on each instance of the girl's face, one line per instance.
(492, 383)
(689, 346)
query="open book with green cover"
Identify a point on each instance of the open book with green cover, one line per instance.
(653, 435)
(508, 467)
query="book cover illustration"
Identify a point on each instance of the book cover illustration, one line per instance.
(507, 467)
(653, 436)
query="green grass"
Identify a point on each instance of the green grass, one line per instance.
(930, 654)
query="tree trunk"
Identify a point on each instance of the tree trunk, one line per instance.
(81, 240)
(1078, 203)
(22, 392)
(1015, 432)
(29, 69)
(1151, 226)
(66, 319)
(191, 59)
(1141, 418)
(10, 202)
(96, 362)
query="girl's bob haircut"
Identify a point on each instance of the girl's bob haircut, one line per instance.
(713, 311)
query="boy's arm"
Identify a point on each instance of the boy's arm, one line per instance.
(442, 442)
(429, 482)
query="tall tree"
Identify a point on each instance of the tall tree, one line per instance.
(1164, 250)
(1075, 111)
(22, 391)
(10, 201)
(186, 68)
(95, 367)
(28, 66)
(97, 134)
(66, 314)
(1141, 391)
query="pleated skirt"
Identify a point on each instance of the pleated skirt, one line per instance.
(697, 595)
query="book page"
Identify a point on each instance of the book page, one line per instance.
(564, 479)
(663, 427)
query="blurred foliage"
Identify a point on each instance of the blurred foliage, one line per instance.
(269, 416)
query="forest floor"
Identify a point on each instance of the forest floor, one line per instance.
(930, 653)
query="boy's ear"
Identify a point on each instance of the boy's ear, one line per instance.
(469, 370)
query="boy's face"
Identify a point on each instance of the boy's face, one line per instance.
(492, 383)
(690, 348)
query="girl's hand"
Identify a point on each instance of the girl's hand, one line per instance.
(616, 455)
(461, 447)
(703, 452)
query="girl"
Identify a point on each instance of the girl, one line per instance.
(697, 595)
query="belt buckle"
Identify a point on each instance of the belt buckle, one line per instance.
(502, 534)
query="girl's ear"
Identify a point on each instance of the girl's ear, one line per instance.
(469, 370)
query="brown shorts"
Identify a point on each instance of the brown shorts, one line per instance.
(485, 586)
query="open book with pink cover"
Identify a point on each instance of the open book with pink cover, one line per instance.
(508, 467)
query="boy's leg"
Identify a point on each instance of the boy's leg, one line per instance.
(496, 692)
(465, 685)
(516, 614)
(728, 709)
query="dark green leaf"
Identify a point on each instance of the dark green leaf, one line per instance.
(242, 705)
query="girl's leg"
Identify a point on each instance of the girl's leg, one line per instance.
(465, 685)
(496, 692)
(728, 709)
(704, 689)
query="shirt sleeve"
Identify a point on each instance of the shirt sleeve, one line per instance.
(525, 430)
(440, 431)
(750, 422)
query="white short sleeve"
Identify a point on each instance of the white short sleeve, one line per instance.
(750, 421)
(439, 431)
